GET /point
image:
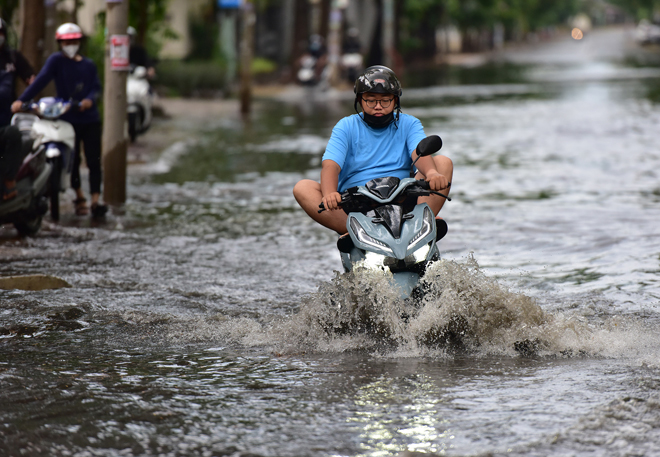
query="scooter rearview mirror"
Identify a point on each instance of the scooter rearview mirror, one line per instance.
(429, 145)
(426, 147)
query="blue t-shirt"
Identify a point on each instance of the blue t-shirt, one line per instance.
(73, 79)
(364, 153)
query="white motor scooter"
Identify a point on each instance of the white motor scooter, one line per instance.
(140, 101)
(54, 135)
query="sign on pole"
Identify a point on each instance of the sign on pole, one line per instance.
(229, 4)
(119, 52)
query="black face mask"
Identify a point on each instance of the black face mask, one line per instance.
(378, 122)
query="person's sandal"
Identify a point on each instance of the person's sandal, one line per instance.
(99, 210)
(81, 206)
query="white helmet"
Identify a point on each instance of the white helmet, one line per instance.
(68, 31)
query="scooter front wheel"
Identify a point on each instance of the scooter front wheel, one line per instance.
(28, 227)
(54, 189)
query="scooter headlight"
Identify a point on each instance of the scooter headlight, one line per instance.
(420, 254)
(428, 222)
(50, 108)
(363, 238)
(374, 261)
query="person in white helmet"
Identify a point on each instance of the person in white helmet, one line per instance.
(75, 78)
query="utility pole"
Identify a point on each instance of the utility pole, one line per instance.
(334, 40)
(115, 144)
(388, 33)
(227, 21)
(246, 51)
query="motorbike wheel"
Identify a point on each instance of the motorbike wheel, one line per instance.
(28, 227)
(54, 190)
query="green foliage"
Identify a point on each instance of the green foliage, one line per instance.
(641, 9)
(8, 8)
(94, 46)
(204, 39)
(152, 16)
(261, 66)
(191, 78)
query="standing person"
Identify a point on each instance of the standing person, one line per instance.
(11, 155)
(374, 144)
(138, 55)
(12, 64)
(76, 78)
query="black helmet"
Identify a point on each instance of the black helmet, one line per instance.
(378, 79)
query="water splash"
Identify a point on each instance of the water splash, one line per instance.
(459, 310)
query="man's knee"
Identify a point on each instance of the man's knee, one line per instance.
(303, 189)
(443, 163)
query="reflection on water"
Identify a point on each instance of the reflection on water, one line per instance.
(208, 318)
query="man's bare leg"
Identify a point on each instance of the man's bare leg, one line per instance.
(308, 195)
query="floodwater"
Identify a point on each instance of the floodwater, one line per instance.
(204, 319)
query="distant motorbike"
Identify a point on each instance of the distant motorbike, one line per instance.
(56, 138)
(309, 73)
(26, 210)
(352, 65)
(140, 101)
(389, 230)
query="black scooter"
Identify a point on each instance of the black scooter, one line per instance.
(27, 209)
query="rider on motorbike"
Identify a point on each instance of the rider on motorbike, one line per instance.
(11, 156)
(76, 78)
(379, 142)
(12, 63)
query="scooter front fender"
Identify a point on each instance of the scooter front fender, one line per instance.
(405, 281)
(53, 131)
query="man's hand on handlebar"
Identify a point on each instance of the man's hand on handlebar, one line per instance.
(437, 181)
(86, 104)
(16, 106)
(332, 201)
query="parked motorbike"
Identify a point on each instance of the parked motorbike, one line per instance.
(26, 210)
(56, 138)
(389, 230)
(140, 101)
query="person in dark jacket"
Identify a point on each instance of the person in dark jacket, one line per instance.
(12, 64)
(11, 156)
(75, 78)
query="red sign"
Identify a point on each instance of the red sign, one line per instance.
(119, 52)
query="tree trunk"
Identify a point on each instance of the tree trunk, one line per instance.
(74, 11)
(34, 18)
(143, 23)
(301, 30)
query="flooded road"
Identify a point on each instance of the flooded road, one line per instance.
(202, 319)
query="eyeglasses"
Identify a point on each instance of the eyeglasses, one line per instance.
(385, 103)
